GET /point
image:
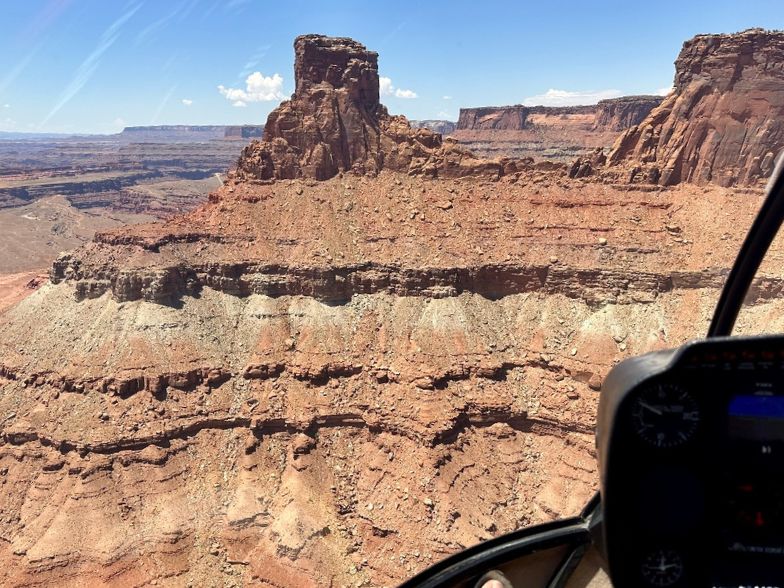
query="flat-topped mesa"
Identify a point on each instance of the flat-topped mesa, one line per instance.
(615, 114)
(724, 121)
(619, 114)
(335, 123)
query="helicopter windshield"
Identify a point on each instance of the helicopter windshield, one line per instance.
(322, 294)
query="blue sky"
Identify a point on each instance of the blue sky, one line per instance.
(97, 65)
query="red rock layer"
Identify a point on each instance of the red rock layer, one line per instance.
(724, 121)
(614, 114)
(335, 123)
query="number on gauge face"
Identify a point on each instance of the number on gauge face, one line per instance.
(663, 567)
(665, 415)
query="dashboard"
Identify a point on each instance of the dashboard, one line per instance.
(691, 454)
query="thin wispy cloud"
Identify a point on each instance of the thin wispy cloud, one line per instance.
(258, 88)
(6, 106)
(43, 19)
(180, 11)
(253, 61)
(207, 13)
(187, 9)
(555, 97)
(162, 104)
(664, 91)
(17, 70)
(88, 67)
(236, 4)
(446, 97)
(392, 34)
(387, 88)
(187, 101)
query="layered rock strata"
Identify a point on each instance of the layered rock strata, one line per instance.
(335, 123)
(300, 383)
(550, 133)
(615, 114)
(723, 121)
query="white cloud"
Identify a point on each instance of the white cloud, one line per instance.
(119, 122)
(443, 114)
(6, 106)
(258, 88)
(566, 98)
(187, 101)
(407, 94)
(239, 104)
(446, 97)
(387, 88)
(664, 91)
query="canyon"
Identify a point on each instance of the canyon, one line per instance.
(299, 382)
(55, 192)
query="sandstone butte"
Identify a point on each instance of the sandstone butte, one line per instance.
(369, 350)
(724, 120)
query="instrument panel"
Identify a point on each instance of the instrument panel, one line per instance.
(691, 454)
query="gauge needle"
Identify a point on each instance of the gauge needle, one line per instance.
(653, 409)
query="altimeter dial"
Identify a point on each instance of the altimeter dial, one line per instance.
(665, 415)
(663, 567)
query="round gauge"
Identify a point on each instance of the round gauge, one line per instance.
(665, 415)
(663, 567)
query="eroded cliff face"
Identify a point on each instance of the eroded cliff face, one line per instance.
(723, 121)
(335, 123)
(615, 114)
(300, 383)
(550, 132)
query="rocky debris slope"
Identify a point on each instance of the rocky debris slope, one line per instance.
(300, 382)
(311, 398)
(335, 123)
(723, 123)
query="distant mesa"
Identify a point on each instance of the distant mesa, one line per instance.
(189, 133)
(173, 133)
(335, 123)
(724, 122)
(615, 114)
(549, 133)
(442, 127)
(244, 132)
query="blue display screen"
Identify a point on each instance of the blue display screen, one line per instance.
(766, 407)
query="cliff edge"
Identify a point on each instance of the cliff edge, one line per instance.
(723, 123)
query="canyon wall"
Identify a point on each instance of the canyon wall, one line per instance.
(724, 121)
(299, 383)
(442, 127)
(550, 132)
